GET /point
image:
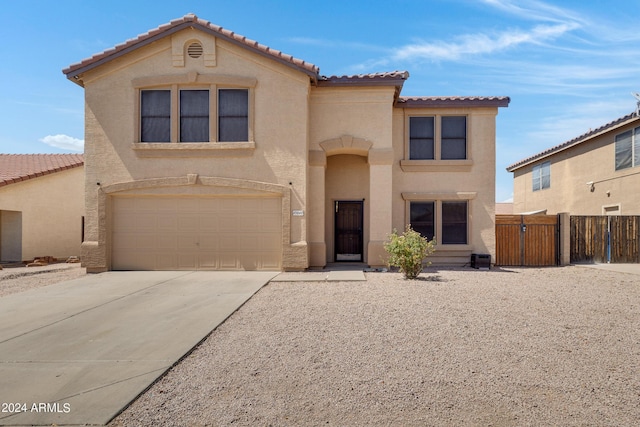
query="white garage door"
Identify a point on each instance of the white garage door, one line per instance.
(196, 233)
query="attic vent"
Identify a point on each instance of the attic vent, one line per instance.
(194, 50)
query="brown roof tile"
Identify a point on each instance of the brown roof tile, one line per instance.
(575, 141)
(21, 167)
(73, 71)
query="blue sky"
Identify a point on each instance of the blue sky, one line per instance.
(568, 66)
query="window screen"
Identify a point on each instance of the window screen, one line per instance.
(155, 116)
(454, 137)
(194, 116)
(454, 223)
(421, 136)
(233, 115)
(421, 218)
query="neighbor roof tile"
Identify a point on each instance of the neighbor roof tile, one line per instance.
(21, 167)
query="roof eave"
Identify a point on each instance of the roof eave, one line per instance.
(623, 121)
(74, 72)
(453, 102)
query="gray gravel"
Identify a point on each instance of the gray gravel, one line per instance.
(510, 347)
(20, 279)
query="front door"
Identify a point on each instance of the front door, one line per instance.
(348, 229)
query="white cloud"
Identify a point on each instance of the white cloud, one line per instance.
(64, 142)
(476, 44)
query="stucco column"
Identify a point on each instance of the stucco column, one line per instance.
(380, 204)
(315, 220)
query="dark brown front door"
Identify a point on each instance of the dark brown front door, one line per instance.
(348, 228)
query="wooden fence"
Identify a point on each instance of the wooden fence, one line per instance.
(613, 239)
(527, 240)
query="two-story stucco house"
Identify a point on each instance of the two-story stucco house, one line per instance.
(593, 174)
(207, 150)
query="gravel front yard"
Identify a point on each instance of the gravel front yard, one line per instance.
(509, 347)
(521, 347)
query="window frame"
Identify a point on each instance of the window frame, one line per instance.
(634, 146)
(438, 163)
(538, 183)
(193, 81)
(438, 199)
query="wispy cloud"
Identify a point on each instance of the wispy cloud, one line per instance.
(64, 142)
(480, 43)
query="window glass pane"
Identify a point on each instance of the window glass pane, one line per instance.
(233, 115)
(155, 116)
(454, 137)
(624, 150)
(545, 175)
(421, 218)
(194, 116)
(454, 223)
(421, 134)
(535, 174)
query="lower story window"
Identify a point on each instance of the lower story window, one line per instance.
(422, 217)
(454, 223)
(446, 221)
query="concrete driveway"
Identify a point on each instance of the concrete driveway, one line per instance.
(78, 352)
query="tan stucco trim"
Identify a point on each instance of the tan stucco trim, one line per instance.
(190, 149)
(436, 165)
(458, 195)
(383, 156)
(346, 144)
(181, 41)
(193, 77)
(317, 158)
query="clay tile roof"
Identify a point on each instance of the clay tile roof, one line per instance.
(73, 71)
(21, 167)
(453, 101)
(366, 79)
(575, 141)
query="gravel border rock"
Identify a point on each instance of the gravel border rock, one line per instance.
(20, 279)
(516, 346)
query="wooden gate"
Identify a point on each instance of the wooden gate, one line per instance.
(605, 239)
(527, 240)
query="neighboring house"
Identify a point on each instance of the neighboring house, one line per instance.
(597, 173)
(504, 208)
(41, 206)
(207, 150)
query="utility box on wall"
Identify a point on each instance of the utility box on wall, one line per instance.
(481, 261)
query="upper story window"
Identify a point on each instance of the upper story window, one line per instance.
(628, 149)
(192, 116)
(541, 176)
(445, 141)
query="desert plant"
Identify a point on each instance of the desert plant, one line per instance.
(408, 250)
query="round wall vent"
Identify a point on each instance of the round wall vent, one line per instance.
(194, 50)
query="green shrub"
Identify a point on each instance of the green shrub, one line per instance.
(408, 250)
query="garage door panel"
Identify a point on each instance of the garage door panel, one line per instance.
(165, 233)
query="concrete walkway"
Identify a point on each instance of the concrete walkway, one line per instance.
(78, 352)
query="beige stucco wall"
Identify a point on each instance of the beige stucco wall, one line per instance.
(354, 125)
(51, 209)
(278, 113)
(571, 170)
(309, 145)
(472, 180)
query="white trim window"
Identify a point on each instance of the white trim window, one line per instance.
(541, 176)
(628, 149)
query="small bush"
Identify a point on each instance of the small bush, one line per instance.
(408, 250)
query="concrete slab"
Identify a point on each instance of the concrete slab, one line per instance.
(346, 276)
(78, 352)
